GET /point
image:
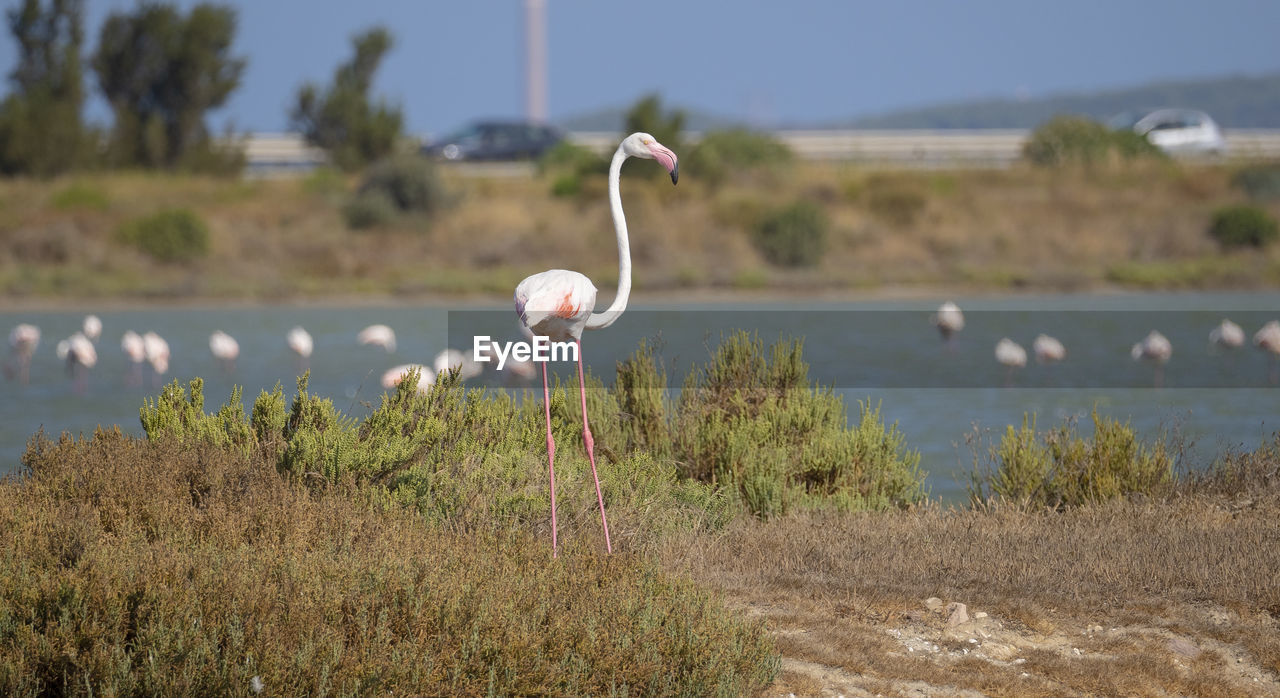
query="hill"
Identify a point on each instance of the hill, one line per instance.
(1234, 101)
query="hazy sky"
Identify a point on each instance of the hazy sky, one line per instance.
(803, 61)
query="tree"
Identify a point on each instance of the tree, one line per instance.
(341, 119)
(161, 72)
(41, 131)
(646, 115)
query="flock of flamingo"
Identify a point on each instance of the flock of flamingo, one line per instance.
(1155, 348)
(559, 304)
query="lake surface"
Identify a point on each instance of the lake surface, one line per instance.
(886, 352)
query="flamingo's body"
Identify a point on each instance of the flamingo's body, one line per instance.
(1268, 339)
(949, 320)
(1227, 335)
(1012, 356)
(1154, 348)
(157, 353)
(558, 304)
(392, 377)
(23, 340)
(300, 343)
(225, 349)
(1048, 350)
(450, 359)
(133, 347)
(92, 327)
(378, 336)
(77, 350)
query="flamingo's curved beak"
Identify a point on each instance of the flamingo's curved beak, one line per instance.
(668, 159)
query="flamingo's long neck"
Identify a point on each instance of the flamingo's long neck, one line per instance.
(606, 318)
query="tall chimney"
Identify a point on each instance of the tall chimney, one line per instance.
(536, 60)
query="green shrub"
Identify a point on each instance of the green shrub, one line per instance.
(724, 153)
(752, 424)
(410, 182)
(169, 567)
(896, 203)
(569, 184)
(80, 196)
(1074, 140)
(369, 209)
(793, 236)
(1259, 182)
(570, 165)
(175, 235)
(1062, 469)
(1241, 226)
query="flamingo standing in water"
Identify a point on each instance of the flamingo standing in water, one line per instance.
(378, 336)
(133, 347)
(1227, 335)
(92, 327)
(1012, 356)
(299, 341)
(558, 304)
(80, 356)
(1048, 350)
(1155, 348)
(23, 340)
(225, 349)
(157, 353)
(949, 320)
(1268, 340)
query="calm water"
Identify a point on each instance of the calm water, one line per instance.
(885, 352)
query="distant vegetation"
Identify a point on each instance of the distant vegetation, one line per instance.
(1244, 226)
(1072, 140)
(174, 235)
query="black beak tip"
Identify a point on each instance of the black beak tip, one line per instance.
(675, 175)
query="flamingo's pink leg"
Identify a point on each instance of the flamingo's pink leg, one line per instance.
(591, 453)
(551, 456)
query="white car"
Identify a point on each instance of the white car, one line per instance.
(1176, 131)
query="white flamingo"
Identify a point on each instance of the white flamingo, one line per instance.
(133, 347)
(80, 356)
(949, 320)
(1227, 335)
(157, 353)
(300, 342)
(450, 359)
(1048, 350)
(378, 336)
(558, 304)
(392, 377)
(92, 327)
(1012, 356)
(225, 349)
(1156, 349)
(23, 340)
(1268, 339)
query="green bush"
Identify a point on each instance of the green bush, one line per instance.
(176, 567)
(80, 196)
(569, 165)
(895, 200)
(792, 236)
(724, 153)
(1241, 226)
(1259, 182)
(1074, 140)
(369, 209)
(175, 235)
(410, 182)
(751, 423)
(1062, 469)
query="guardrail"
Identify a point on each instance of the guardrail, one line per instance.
(269, 154)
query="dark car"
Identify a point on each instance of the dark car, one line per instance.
(496, 140)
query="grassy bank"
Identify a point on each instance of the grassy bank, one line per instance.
(1144, 225)
(763, 545)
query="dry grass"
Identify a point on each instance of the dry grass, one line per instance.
(132, 567)
(1141, 226)
(1135, 597)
